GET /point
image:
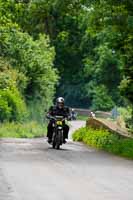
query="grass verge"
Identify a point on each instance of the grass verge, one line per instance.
(103, 139)
(82, 117)
(22, 130)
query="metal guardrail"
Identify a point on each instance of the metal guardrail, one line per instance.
(86, 112)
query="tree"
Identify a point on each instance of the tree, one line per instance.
(31, 59)
(92, 48)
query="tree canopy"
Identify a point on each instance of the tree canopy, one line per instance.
(88, 44)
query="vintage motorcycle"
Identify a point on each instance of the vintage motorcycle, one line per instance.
(57, 138)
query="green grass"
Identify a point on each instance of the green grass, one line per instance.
(103, 139)
(22, 130)
(81, 117)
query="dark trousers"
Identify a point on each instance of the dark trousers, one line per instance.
(50, 130)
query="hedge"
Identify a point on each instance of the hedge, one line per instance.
(105, 140)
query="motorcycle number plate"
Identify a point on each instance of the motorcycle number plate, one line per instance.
(59, 122)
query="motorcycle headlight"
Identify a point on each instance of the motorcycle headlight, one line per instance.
(59, 127)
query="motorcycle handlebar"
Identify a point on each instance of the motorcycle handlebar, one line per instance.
(58, 117)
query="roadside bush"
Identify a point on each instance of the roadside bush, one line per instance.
(12, 106)
(126, 116)
(103, 139)
(12, 84)
(5, 110)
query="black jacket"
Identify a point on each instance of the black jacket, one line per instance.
(55, 111)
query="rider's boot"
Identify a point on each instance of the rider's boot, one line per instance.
(49, 140)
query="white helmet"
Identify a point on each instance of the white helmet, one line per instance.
(60, 102)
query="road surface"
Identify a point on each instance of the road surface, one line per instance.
(31, 170)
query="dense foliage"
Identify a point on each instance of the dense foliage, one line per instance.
(12, 105)
(105, 140)
(26, 68)
(93, 47)
(89, 43)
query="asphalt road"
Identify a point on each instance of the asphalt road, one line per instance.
(31, 170)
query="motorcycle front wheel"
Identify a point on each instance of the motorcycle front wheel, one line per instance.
(53, 145)
(57, 147)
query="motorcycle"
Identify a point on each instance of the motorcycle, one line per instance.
(73, 114)
(57, 138)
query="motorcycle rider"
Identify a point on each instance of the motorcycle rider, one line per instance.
(73, 114)
(58, 110)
